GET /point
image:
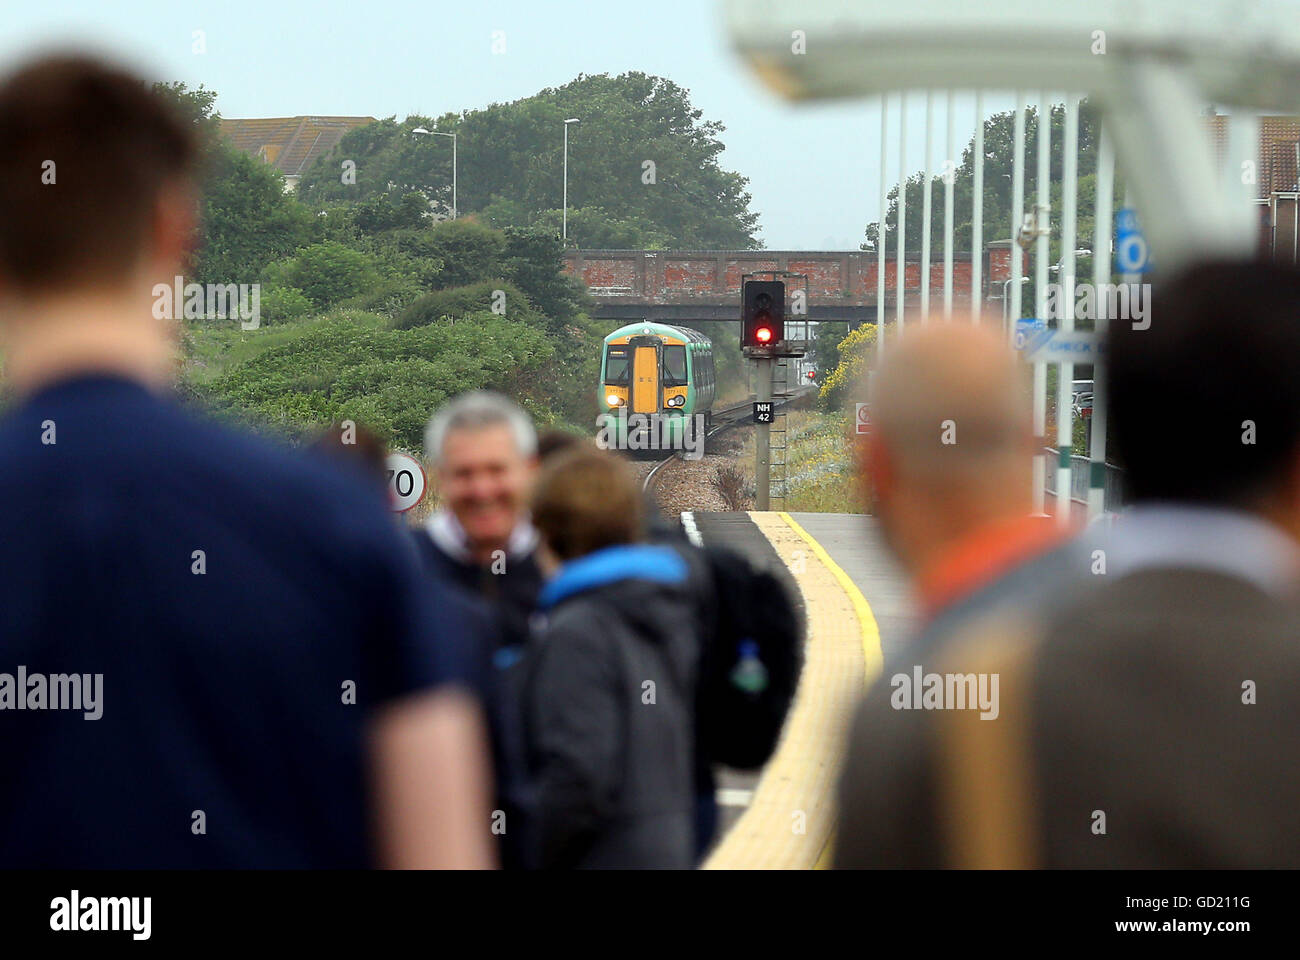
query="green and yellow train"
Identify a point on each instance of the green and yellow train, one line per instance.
(657, 377)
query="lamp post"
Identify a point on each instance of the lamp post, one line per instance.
(421, 132)
(565, 228)
(1006, 283)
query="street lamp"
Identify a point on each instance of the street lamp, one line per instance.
(1006, 283)
(421, 132)
(565, 228)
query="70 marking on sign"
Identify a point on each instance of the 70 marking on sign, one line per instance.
(406, 481)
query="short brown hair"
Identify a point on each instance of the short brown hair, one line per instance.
(113, 144)
(554, 442)
(587, 499)
(363, 448)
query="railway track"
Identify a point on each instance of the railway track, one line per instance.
(723, 419)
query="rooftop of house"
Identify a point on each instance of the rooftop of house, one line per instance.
(290, 143)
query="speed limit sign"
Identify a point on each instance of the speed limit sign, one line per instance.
(406, 481)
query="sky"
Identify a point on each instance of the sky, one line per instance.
(813, 170)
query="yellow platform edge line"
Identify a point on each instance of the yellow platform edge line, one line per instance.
(872, 654)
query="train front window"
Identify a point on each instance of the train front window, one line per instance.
(616, 361)
(674, 366)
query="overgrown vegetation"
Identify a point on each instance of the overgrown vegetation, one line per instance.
(844, 384)
(820, 469)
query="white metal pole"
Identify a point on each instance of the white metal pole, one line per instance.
(1239, 191)
(926, 209)
(977, 215)
(950, 176)
(1065, 378)
(1101, 261)
(900, 265)
(565, 214)
(454, 207)
(1042, 253)
(880, 233)
(1017, 215)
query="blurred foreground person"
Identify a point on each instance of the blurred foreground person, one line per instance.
(482, 447)
(609, 682)
(1150, 719)
(211, 654)
(357, 450)
(946, 459)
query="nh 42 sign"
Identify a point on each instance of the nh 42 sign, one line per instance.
(762, 411)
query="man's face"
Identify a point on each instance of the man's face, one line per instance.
(484, 481)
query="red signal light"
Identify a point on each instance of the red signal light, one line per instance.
(763, 334)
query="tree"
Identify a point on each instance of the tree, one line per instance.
(999, 133)
(643, 165)
(855, 354)
(327, 272)
(247, 219)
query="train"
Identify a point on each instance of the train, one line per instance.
(658, 382)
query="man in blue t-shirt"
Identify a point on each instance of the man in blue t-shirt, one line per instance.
(213, 652)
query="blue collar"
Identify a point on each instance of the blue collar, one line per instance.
(630, 562)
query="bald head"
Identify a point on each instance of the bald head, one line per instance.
(951, 436)
(949, 402)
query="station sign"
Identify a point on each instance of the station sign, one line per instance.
(1062, 346)
(1131, 254)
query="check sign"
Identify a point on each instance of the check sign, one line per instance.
(762, 411)
(1074, 346)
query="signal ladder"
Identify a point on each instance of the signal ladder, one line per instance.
(781, 390)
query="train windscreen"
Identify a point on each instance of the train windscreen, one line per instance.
(674, 366)
(616, 365)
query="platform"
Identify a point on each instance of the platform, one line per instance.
(857, 609)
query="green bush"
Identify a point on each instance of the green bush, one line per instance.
(390, 297)
(327, 272)
(458, 302)
(390, 380)
(284, 303)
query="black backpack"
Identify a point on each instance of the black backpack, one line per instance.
(749, 666)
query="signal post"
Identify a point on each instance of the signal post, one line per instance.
(762, 339)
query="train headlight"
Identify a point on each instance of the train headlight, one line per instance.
(614, 400)
(677, 401)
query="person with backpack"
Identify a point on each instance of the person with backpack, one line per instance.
(751, 653)
(608, 682)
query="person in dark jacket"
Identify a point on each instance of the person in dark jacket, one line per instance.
(245, 669)
(610, 678)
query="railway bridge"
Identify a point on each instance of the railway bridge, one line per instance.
(674, 286)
